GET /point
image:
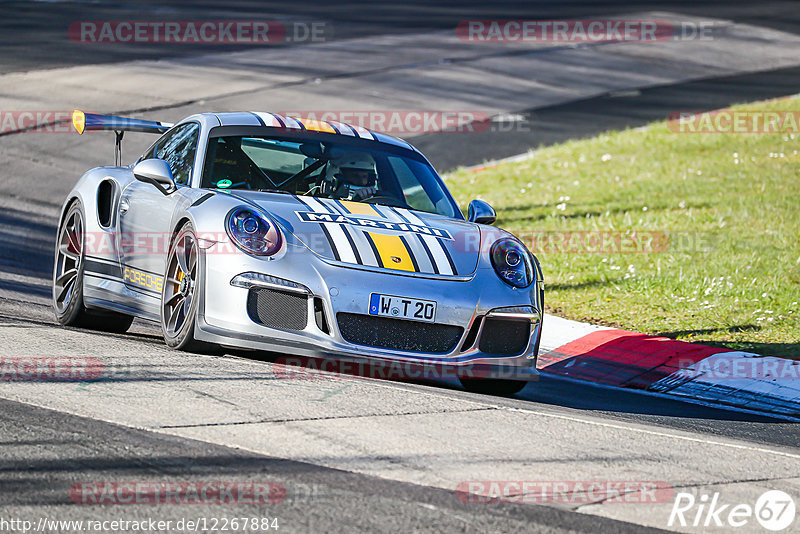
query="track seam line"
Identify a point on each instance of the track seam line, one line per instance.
(657, 433)
(326, 418)
(686, 486)
(609, 425)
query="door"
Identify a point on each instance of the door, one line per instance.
(146, 214)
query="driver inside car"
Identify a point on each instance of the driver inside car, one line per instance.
(353, 176)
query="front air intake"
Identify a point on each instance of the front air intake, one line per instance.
(505, 337)
(398, 334)
(277, 309)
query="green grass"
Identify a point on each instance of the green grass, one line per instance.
(727, 270)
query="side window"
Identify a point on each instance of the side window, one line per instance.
(178, 149)
(150, 154)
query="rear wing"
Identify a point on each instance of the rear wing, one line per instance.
(88, 122)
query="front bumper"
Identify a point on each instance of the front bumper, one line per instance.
(465, 302)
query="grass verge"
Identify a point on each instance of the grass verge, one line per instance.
(693, 236)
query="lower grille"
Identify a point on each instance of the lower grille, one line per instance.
(507, 337)
(398, 334)
(277, 309)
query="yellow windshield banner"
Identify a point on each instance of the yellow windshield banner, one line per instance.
(315, 125)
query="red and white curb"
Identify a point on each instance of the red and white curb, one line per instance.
(708, 375)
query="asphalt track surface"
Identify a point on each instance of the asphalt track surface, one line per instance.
(156, 424)
(32, 34)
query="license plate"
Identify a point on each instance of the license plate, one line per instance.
(402, 307)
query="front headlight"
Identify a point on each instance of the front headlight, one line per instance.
(253, 233)
(512, 262)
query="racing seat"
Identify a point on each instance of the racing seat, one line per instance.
(229, 162)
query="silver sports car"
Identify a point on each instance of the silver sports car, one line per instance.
(314, 239)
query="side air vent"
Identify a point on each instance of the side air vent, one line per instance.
(319, 316)
(472, 334)
(105, 202)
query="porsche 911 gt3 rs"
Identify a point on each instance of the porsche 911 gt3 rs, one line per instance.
(309, 238)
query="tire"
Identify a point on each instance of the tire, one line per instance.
(68, 279)
(115, 323)
(179, 299)
(491, 386)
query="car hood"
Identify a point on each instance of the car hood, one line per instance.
(382, 237)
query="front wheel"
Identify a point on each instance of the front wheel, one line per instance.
(491, 386)
(179, 296)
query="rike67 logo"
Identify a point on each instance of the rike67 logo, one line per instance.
(774, 510)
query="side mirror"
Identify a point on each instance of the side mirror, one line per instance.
(481, 212)
(156, 172)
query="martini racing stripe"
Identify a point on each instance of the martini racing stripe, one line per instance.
(429, 255)
(274, 120)
(349, 237)
(420, 255)
(277, 121)
(343, 249)
(362, 132)
(291, 122)
(442, 260)
(413, 259)
(374, 235)
(342, 128)
(362, 240)
(327, 235)
(268, 119)
(392, 250)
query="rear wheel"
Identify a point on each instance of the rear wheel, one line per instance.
(179, 295)
(493, 386)
(68, 279)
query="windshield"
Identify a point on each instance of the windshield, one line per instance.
(324, 169)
